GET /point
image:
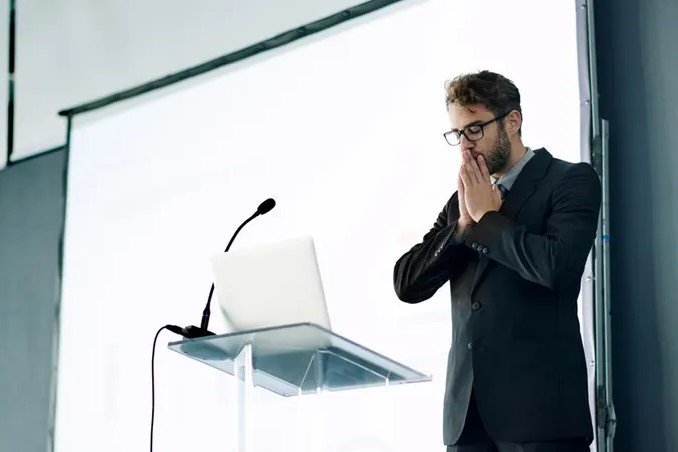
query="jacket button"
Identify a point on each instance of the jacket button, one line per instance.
(475, 306)
(474, 245)
(470, 345)
(484, 250)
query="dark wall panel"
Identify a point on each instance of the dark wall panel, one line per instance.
(31, 218)
(637, 57)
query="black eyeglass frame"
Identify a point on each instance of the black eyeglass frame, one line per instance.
(461, 132)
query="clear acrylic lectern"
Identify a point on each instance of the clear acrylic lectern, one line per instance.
(292, 360)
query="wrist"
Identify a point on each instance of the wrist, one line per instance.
(463, 227)
(481, 214)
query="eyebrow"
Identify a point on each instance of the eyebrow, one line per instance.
(476, 122)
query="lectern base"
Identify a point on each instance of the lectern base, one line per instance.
(292, 360)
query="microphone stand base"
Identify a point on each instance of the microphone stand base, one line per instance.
(194, 332)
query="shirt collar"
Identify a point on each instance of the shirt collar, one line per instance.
(510, 176)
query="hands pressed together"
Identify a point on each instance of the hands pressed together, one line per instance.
(477, 194)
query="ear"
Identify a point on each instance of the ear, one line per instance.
(513, 122)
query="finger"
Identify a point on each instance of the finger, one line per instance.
(465, 156)
(463, 174)
(471, 178)
(483, 169)
(461, 196)
(473, 169)
(466, 167)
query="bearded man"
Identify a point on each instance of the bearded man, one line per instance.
(512, 242)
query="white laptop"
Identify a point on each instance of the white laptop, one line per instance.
(270, 285)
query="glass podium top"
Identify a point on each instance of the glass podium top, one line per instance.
(298, 359)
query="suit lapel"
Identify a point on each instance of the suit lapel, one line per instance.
(524, 186)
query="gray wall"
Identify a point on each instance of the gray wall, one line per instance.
(31, 218)
(637, 54)
(79, 50)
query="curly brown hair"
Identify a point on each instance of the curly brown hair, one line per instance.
(497, 93)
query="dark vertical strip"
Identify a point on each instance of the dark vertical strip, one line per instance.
(56, 321)
(10, 100)
(636, 56)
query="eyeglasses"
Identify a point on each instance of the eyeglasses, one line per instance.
(472, 133)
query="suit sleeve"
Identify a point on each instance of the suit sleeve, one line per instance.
(563, 248)
(440, 257)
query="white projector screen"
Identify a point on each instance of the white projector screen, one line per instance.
(344, 130)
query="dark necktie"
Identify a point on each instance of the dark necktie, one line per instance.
(504, 191)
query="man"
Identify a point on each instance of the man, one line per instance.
(512, 242)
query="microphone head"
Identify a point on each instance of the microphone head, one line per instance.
(266, 206)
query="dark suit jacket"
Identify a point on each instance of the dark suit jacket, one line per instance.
(514, 279)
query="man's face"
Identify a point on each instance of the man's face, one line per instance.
(494, 146)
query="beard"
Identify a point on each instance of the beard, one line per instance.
(499, 154)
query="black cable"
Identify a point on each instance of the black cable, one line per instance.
(171, 328)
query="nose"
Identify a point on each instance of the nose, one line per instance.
(465, 144)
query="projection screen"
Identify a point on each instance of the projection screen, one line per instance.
(344, 130)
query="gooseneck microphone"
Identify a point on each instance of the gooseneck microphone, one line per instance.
(192, 332)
